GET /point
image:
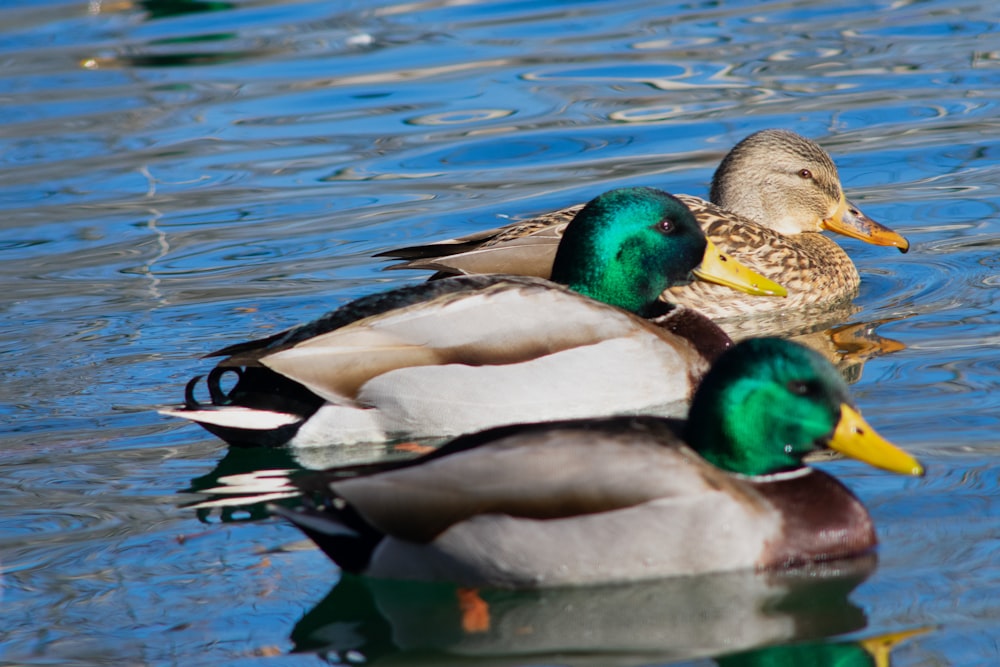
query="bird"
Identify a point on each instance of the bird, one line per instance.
(441, 358)
(770, 199)
(616, 499)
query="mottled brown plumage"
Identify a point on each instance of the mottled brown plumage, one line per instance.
(774, 192)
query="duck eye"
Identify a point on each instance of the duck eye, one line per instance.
(666, 226)
(805, 174)
(802, 388)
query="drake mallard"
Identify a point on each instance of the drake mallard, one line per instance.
(771, 197)
(618, 498)
(470, 352)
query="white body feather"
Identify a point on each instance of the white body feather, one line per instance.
(649, 541)
(676, 499)
(504, 354)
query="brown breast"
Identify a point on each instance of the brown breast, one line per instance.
(823, 520)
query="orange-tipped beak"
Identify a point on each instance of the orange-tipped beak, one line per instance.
(849, 220)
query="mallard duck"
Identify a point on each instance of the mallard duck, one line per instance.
(619, 498)
(470, 352)
(771, 197)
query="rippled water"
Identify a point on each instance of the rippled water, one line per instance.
(180, 174)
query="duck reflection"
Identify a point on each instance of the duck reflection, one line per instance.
(846, 344)
(872, 652)
(731, 614)
(237, 462)
(158, 9)
(850, 346)
(254, 466)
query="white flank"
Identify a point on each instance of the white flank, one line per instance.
(621, 375)
(647, 541)
(340, 425)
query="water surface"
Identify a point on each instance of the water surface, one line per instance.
(179, 175)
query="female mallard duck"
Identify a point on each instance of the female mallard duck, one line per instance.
(619, 498)
(771, 196)
(471, 352)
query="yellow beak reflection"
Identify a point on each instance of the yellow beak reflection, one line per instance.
(881, 646)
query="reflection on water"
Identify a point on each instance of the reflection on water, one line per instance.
(658, 621)
(850, 346)
(743, 619)
(870, 652)
(175, 176)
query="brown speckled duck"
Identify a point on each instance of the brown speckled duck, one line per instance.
(771, 198)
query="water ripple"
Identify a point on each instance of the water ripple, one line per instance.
(178, 175)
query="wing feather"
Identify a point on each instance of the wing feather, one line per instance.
(507, 324)
(540, 472)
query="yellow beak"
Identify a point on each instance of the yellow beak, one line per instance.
(850, 221)
(855, 438)
(881, 646)
(718, 267)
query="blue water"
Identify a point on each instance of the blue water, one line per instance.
(179, 175)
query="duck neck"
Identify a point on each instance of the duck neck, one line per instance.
(636, 293)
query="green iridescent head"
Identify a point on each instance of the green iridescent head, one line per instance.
(627, 246)
(767, 402)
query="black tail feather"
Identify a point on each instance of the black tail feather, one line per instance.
(190, 402)
(350, 540)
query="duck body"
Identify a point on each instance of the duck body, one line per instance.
(774, 194)
(472, 352)
(618, 498)
(810, 265)
(449, 357)
(644, 512)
